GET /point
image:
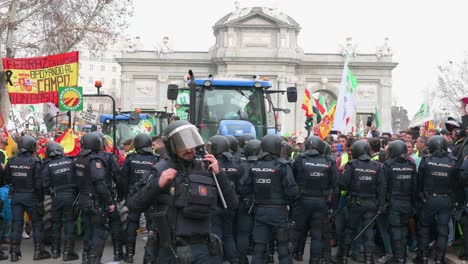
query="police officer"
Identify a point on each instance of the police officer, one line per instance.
(184, 192)
(363, 179)
(272, 183)
(23, 172)
(245, 213)
(113, 182)
(400, 173)
(316, 178)
(95, 198)
(240, 154)
(223, 219)
(464, 218)
(437, 183)
(134, 172)
(59, 182)
(233, 144)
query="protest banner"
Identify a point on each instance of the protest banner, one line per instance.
(36, 80)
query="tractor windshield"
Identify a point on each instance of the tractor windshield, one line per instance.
(231, 103)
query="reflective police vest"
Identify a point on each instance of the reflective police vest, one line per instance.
(61, 173)
(5, 154)
(315, 179)
(22, 173)
(437, 175)
(268, 189)
(402, 178)
(364, 178)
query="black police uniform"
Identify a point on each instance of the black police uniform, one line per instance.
(245, 212)
(464, 218)
(400, 174)
(23, 172)
(223, 219)
(113, 182)
(59, 181)
(437, 186)
(94, 199)
(185, 204)
(316, 178)
(363, 179)
(135, 172)
(272, 183)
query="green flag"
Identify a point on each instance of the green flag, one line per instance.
(377, 118)
(351, 82)
(323, 103)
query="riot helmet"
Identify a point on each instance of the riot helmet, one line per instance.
(272, 144)
(217, 145)
(252, 148)
(54, 149)
(360, 150)
(181, 135)
(103, 138)
(316, 143)
(233, 143)
(27, 144)
(397, 148)
(143, 141)
(437, 144)
(91, 141)
(243, 139)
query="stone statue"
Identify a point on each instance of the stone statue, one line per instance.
(384, 50)
(350, 49)
(164, 48)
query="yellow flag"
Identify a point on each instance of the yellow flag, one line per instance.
(12, 147)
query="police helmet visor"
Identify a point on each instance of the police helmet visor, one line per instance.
(184, 137)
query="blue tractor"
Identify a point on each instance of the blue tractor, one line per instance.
(231, 106)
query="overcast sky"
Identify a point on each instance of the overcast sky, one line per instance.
(423, 34)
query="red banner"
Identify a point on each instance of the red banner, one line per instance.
(36, 80)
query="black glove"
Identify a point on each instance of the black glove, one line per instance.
(382, 210)
(184, 255)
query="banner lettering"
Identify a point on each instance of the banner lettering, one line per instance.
(36, 80)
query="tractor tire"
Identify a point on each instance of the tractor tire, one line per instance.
(123, 211)
(47, 220)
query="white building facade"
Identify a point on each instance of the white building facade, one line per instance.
(261, 41)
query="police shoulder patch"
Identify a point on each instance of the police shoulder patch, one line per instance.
(98, 165)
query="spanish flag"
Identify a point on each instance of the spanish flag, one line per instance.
(307, 104)
(327, 123)
(69, 142)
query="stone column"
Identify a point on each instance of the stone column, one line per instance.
(161, 92)
(385, 94)
(127, 91)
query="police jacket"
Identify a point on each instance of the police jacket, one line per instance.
(438, 174)
(315, 174)
(270, 180)
(363, 178)
(57, 174)
(188, 199)
(111, 167)
(90, 175)
(135, 169)
(23, 172)
(240, 155)
(464, 173)
(231, 167)
(400, 174)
